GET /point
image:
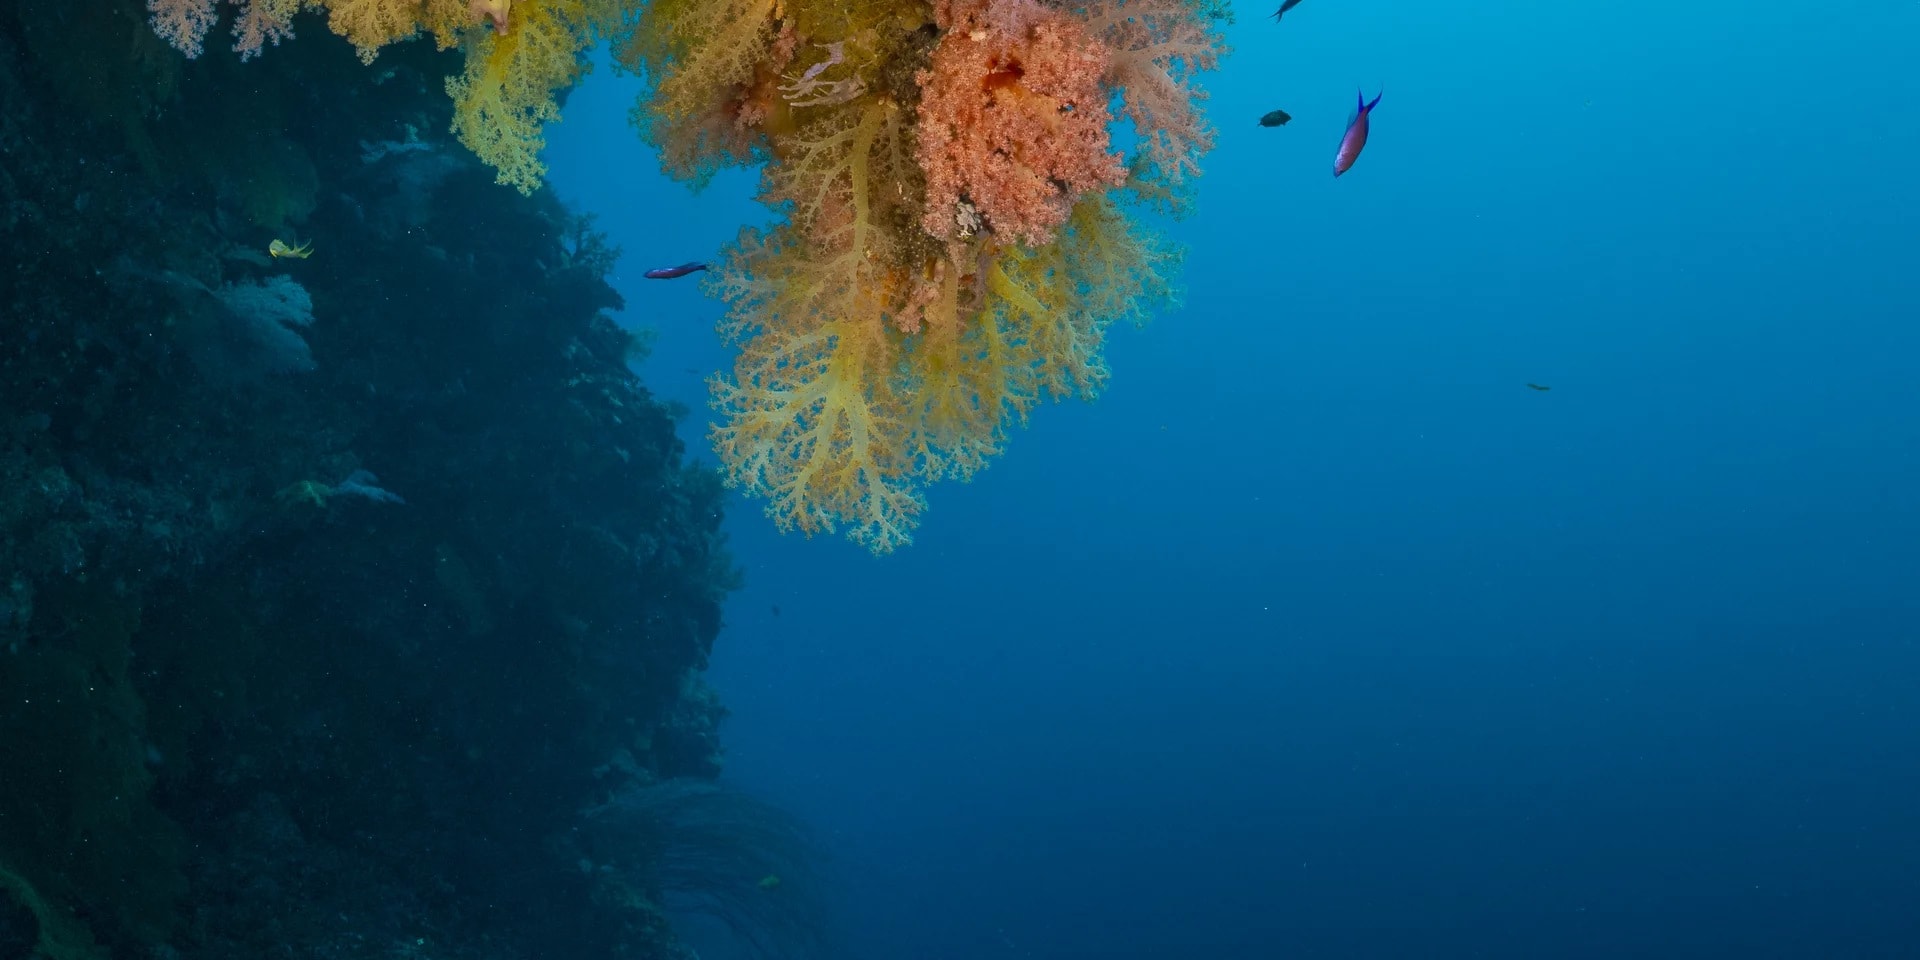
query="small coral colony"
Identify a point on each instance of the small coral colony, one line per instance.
(956, 227)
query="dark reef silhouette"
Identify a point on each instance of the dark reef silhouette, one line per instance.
(334, 591)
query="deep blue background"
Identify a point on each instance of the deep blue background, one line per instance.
(1320, 635)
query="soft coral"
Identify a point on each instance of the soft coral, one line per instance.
(1013, 121)
(506, 96)
(812, 418)
(1158, 46)
(713, 65)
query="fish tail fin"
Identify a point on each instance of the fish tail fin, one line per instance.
(1376, 99)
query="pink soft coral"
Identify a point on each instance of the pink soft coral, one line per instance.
(1013, 121)
(1157, 47)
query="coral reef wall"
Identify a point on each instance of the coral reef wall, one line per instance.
(953, 237)
(338, 575)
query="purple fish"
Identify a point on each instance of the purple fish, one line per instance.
(668, 273)
(1355, 138)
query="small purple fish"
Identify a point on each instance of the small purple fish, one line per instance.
(1289, 5)
(668, 273)
(1355, 138)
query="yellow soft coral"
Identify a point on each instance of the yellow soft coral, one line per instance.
(1037, 332)
(812, 417)
(372, 24)
(706, 58)
(1057, 302)
(506, 96)
(873, 361)
(811, 423)
(883, 348)
(514, 70)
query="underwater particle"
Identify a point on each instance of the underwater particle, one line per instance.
(1275, 118)
(1289, 5)
(297, 251)
(669, 273)
(1543, 388)
(1355, 139)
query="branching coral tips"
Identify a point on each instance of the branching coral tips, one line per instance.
(1355, 139)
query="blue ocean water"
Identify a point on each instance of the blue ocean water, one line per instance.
(1320, 634)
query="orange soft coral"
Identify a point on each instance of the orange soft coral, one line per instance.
(1013, 121)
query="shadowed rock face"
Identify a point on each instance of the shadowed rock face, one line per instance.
(325, 658)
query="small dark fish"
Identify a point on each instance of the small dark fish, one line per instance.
(668, 273)
(1284, 7)
(1276, 118)
(1539, 387)
(776, 609)
(1355, 139)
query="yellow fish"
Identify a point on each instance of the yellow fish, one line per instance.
(280, 248)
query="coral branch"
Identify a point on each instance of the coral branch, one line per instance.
(183, 23)
(1158, 48)
(261, 22)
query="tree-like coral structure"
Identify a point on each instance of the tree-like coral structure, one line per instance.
(954, 245)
